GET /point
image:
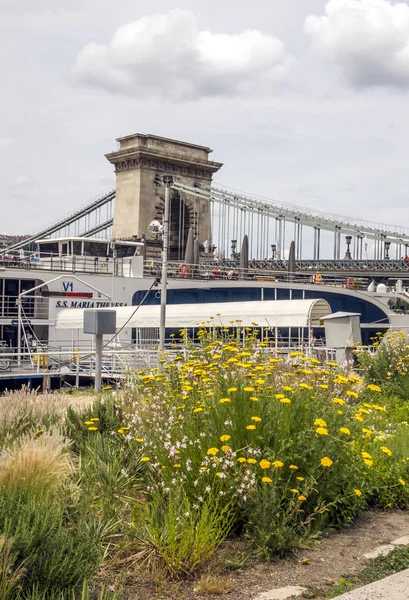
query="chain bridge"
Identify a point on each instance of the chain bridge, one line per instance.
(220, 217)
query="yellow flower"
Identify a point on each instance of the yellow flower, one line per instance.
(248, 389)
(177, 466)
(285, 400)
(265, 464)
(241, 459)
(367, 432)
(402, 481)
(386, 450)
(373, 387)
(323, 386)
(253, 399)
(145, 459)
(278, 464)
(39, 432)
(302, 498)
(212, 451)
(339, 412)
(358, 493)
(88, 423)
(368, 462)
(293, 467)
(232, 389)
(225, 448)
(94, 419)
(218, 474)
(353, 394)
(224, 438)
(92, 428)
(256, 419)
(250, 427)
(139, 440)
(320, 423)
(326, 462)
(251, 461)
(279, 396)
(294, 491)
(300, 478)
(224, 400)
(365, 455)
(339, 401)
(267, 480)
(198, 410)
(345, 430)
(359, 417)
(287, 388)
(305, 386)
(322, 431)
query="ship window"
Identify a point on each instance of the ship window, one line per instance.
(125, 251)
(77, 248)
(48, 248)
(64, 249)
(95, 249)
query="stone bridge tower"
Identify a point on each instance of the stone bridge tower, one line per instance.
(140, 197)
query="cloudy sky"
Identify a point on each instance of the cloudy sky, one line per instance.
(305, 101)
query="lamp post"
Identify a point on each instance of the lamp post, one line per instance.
(273, 251)
(348, 239)
(233, 249)
(168, 182)
(387, 248)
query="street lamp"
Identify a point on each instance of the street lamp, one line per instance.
(168, 182)
(273, 251)
(233, 249)
(348, 239)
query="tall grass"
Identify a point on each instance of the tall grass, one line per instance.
(171, 531)
(43, 462)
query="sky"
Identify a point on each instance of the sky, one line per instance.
(304, 101)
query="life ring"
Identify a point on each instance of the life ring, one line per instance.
(104, 266)
(183, 270)
(350, 282)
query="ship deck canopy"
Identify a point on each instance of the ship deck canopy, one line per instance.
(269, 313)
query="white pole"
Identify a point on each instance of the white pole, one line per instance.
(19, 326)
(168, 181)
(98, 362)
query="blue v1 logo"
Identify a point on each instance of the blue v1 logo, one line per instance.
(67, 286)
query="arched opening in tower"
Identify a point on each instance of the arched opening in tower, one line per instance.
(179, 224)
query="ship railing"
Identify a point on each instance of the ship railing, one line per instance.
(227, 271)
(33, 307)
(120, 267)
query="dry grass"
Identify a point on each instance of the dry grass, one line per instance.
(42, 462)
(28, 404)
(213, 584)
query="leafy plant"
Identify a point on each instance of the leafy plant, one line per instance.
(171, 531)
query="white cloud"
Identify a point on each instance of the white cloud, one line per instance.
(21, 181)
(6, 142)
(369, 39)
(169, 57)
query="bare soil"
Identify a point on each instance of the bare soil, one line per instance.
(317, 568)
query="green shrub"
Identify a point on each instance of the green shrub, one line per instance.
(57, 545)
(171, 531)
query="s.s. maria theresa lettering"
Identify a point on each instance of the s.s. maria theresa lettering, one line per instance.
(90, 304)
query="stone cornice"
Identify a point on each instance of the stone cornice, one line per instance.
(129, 160)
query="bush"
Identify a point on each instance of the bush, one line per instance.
(171, 531)
(57, 545)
